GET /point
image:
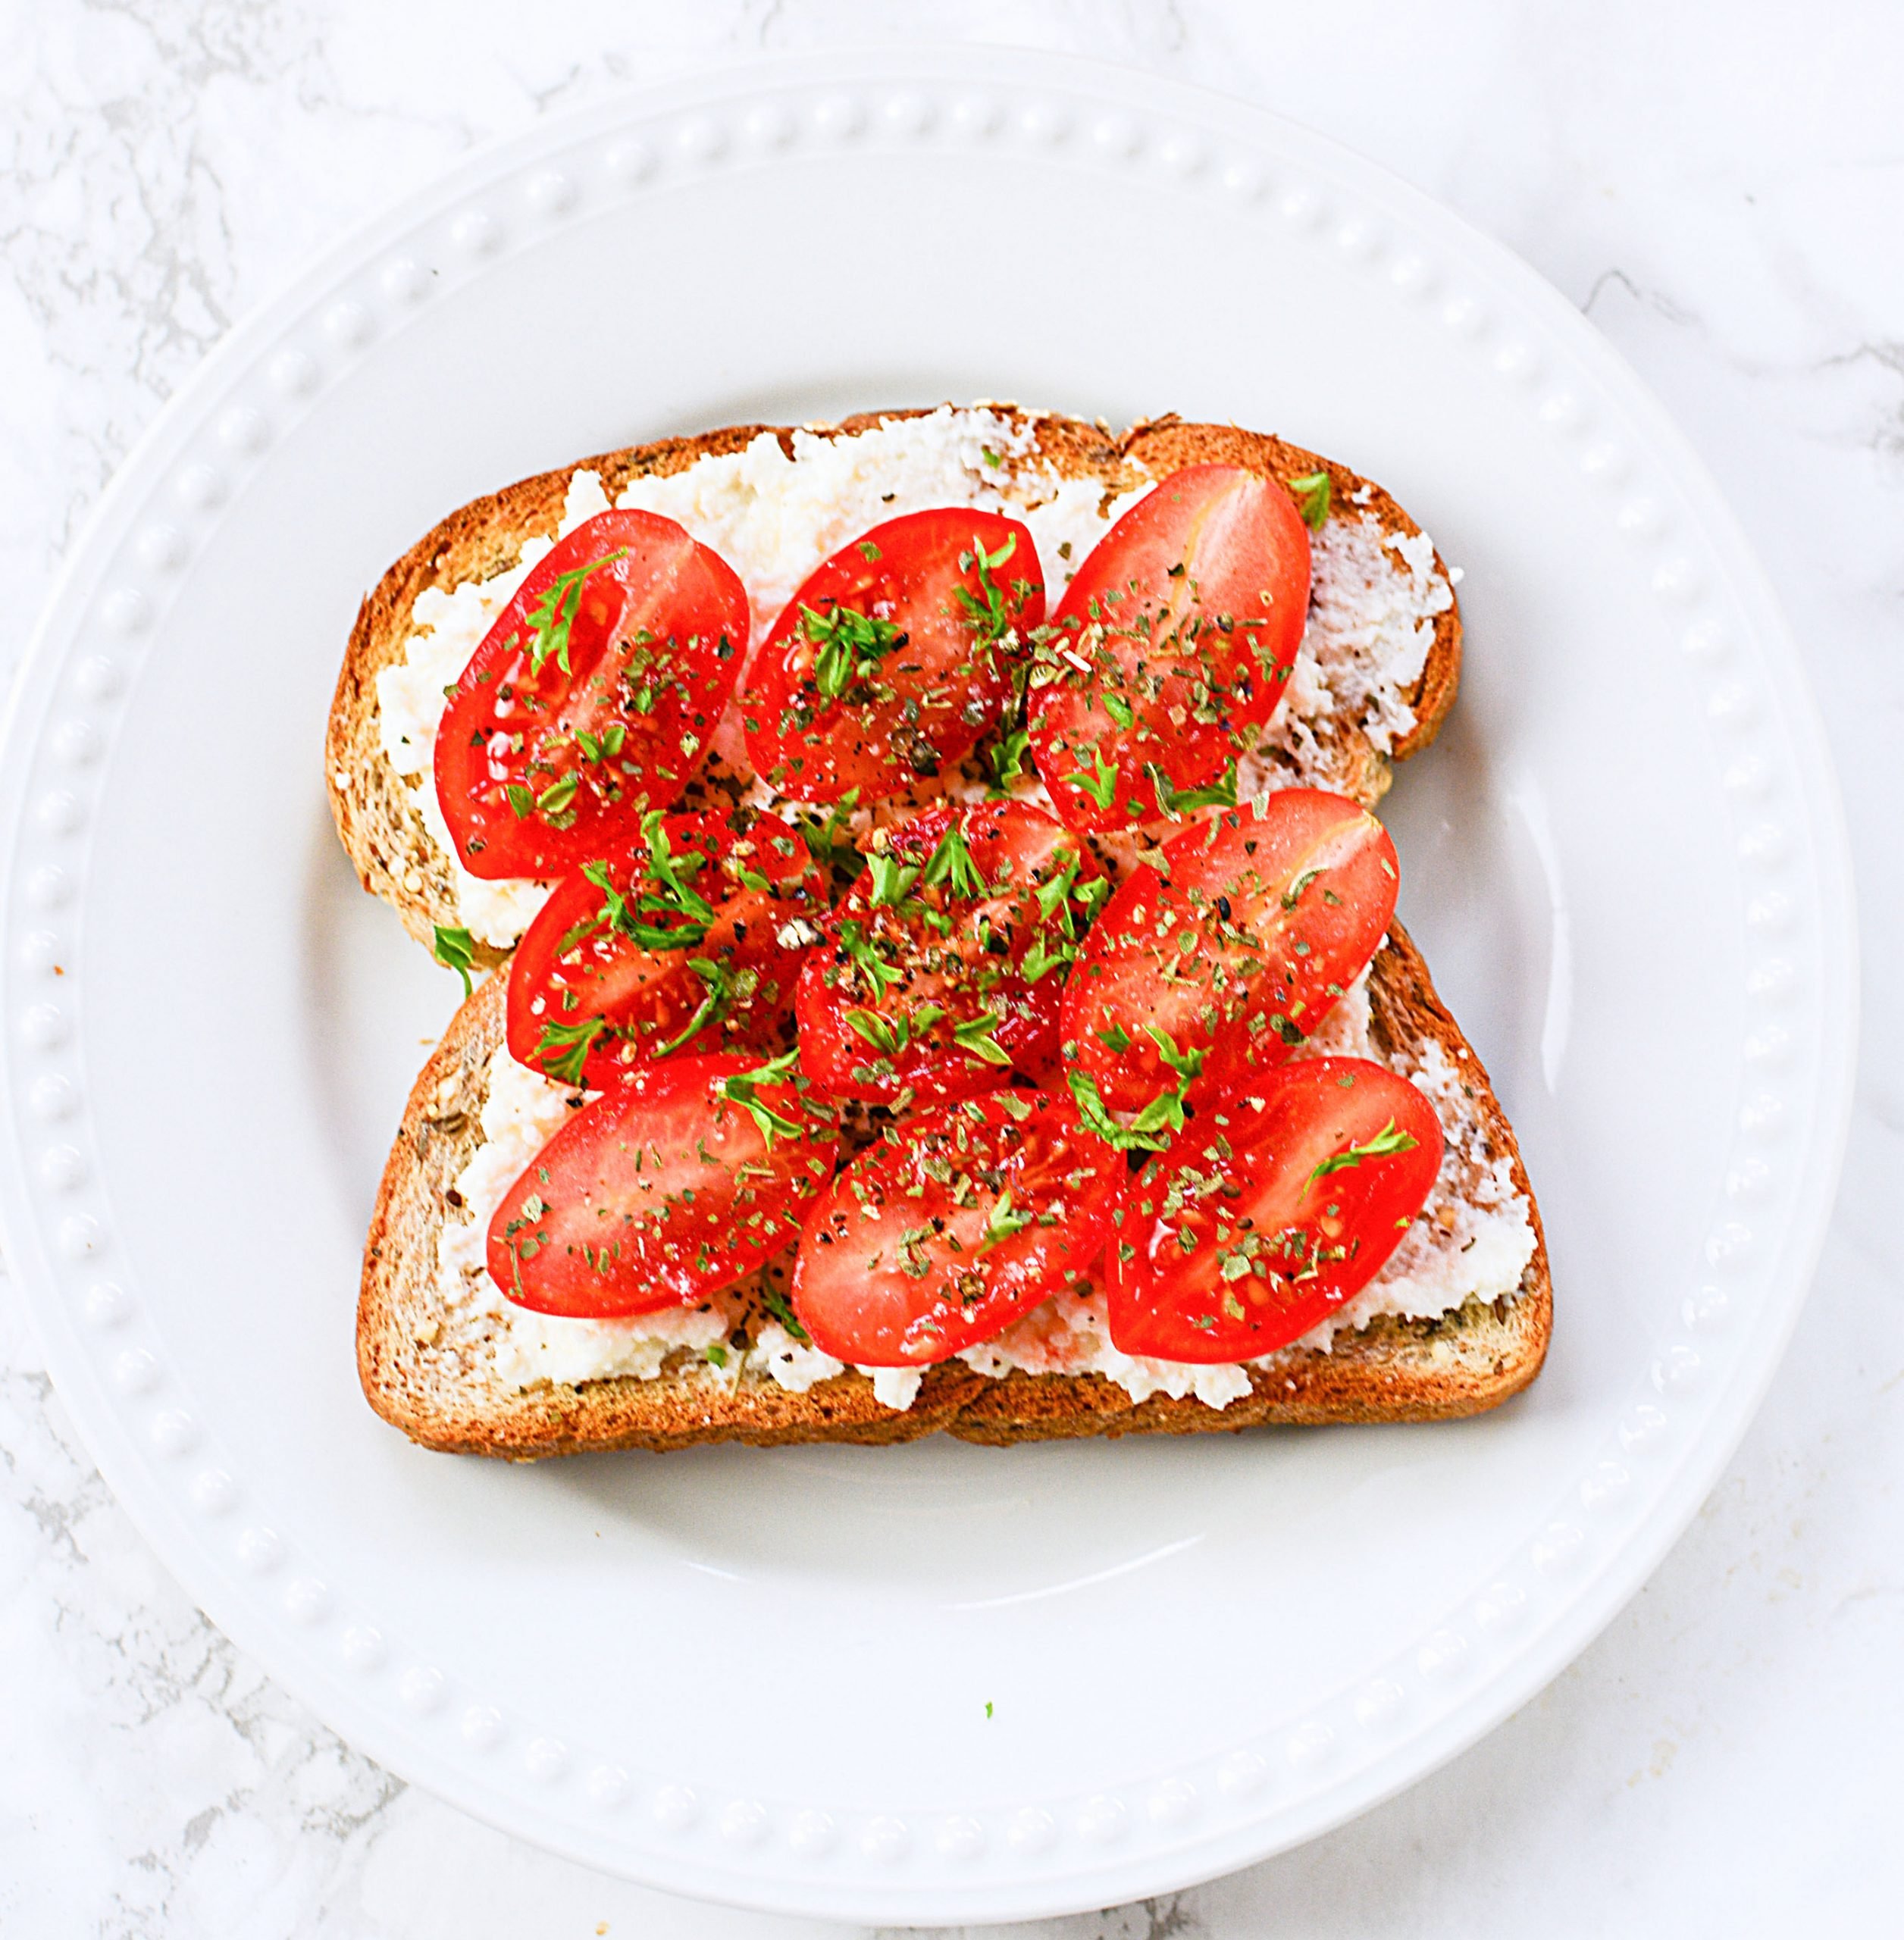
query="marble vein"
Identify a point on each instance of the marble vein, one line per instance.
(1725, 1757)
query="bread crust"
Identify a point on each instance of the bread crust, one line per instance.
(436, 1391)
(383, 834)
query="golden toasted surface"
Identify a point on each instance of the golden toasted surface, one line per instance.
(432, 1374)
(376, 816)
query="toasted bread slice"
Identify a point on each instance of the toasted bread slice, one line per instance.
(1348, 749)
(431, 1370)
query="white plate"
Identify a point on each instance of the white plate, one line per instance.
(938, 1682)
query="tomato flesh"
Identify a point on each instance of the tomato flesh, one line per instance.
(1267, 915)
(662, 1191)
(688, 940)
(943, 967)
(1171, 649)
(958, 1222)
(590, 699)
(1269, 1212)
(895, 657)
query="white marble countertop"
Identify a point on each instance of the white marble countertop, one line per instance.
(1726, 204)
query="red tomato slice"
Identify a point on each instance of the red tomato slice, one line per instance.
(960, 1220)
(944, 965)
(590, 699)
(895, 657)
(1270, 1211)
(1265, 919)
(1171, 649)
(688, 940)
(678, 1182)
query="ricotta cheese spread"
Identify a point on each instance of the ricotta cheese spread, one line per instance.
(1474, 1237)
(447, 628)
(774, 515)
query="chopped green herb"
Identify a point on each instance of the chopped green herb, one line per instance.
(975, 1035)
(1177, 802)
(874, 968)
(1138, 1135)
(777, 1303)
(1001, 1222)
(985, 611)
(604, 746)
(851, 646)
(951, 863)
(1042, 957)
(1008, 756)
(572, 1041)
(553, 614)
(1100, 782)
(456, 950)
(892, 879)
(1310, 492)
(1053, 889)
(1385, 1144)
(825, 836)
(555, 803)
(666, 889)
(1185, 1064)
(723, 988)
(882, 1035)
(744, 1090)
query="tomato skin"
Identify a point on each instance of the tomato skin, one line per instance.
(1018, 1153)
(1170, 695)
(652, 1247)
(922, 705)
(1283, 909)
(858, 1041)
(647, 705)
(588, 1001)
(1174, 1305)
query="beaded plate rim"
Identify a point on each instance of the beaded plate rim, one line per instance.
(1553, 1591)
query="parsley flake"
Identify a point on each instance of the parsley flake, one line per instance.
(744, 1089)
(1310, 492)
(456, 950)
(1385, 1144)
(851, 646)
(553, 614)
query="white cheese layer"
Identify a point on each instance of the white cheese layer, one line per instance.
(1474, 1236)
(523, 1111)
(775, 517)
(448, 628)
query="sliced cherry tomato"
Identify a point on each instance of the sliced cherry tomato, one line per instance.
(1270, 1211)
(677, 1183)
(943, 967)
(958, 1222)
(1170, 649)
(688, 940)
(895, 657)
(592, 697)
(1266, 915)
